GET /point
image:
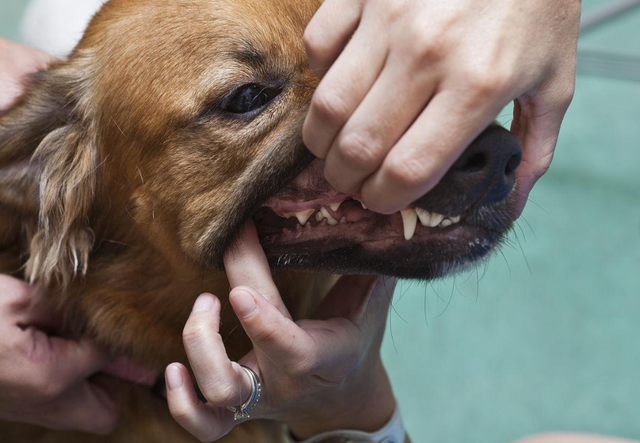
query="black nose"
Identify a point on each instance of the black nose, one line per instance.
(484, 174)
(488, 166)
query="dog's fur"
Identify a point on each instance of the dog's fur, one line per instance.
(122, 181)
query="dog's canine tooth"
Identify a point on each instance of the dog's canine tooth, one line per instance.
(410, 221)
(436, 219)
(364, 206)
(424, 216)
(303, 216)
(325, 214)
(335, 206)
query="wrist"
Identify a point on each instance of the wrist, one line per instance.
(367, 408)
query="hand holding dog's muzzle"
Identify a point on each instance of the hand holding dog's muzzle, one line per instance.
(316, 375)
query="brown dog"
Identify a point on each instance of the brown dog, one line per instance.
(126, 171)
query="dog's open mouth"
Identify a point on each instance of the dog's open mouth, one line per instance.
(310, 225)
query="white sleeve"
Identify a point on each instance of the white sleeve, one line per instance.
(56, 26)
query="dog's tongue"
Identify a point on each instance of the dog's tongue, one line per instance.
(125, 369)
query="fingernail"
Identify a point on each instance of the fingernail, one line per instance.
(203, 303)
(243, 303)
(174, 377)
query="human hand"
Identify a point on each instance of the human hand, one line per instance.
(317, 375)
(43, 377)
(408, 84)
(16, 61)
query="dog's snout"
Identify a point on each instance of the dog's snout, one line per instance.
(487, 168)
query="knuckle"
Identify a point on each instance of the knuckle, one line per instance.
(179, 411)
(360, 148)
(396, 10)
(330, 106)
(222, 392)
(314, 43)
(485, 84)
(407, 173)
(194, 331)
(426, 45)
(265, 335)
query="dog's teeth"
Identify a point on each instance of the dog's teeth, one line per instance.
(436, 219)
(455, 219)
(446, 222)
(424, 216)
(325, 214)
(335, 206)
(364, 206)
(319, 216)
(409, 220)
(303, 216)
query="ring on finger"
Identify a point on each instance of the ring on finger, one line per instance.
(242, 412)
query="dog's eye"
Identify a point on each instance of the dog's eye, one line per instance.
(250, 98)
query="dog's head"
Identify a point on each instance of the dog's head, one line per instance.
(179, 120)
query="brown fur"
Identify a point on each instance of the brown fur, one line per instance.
(117, 188)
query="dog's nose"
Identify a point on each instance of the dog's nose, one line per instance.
(486, 171)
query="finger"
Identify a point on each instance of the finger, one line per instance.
(15, 294)
(222, 382)
(286, 344)
(357, 298)
(342, 89)
(364, 141)
(60, 362)
(329, 31)
(246, 264)
(538, 133)
(85, 407)
(203, 422)
(427, 150)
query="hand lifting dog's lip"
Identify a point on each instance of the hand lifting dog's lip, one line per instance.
(304, 223)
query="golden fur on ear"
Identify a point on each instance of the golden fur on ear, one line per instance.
(48, 164)
(66, 169)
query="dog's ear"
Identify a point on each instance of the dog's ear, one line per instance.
(48, 163)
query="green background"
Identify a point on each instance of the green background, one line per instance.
(548, 338)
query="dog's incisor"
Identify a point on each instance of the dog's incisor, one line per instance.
(126, 171)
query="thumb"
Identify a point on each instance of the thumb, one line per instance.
(536, 123)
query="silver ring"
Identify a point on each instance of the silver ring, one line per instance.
(242, 412)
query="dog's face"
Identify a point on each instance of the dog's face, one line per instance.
(181, 120)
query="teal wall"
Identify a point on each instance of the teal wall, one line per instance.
(545, 335)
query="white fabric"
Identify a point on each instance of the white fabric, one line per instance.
(392, 432)
(56, 26)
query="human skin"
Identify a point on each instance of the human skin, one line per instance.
(408, 84)
(319, 375)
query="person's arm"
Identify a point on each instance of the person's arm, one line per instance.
(321, 375)
(406, 85)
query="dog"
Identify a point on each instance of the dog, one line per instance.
(127, 170)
